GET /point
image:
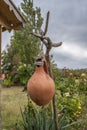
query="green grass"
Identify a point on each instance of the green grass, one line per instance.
(11, 100)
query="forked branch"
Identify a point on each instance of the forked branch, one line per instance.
(49, 44)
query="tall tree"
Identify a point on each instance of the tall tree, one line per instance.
(26, 46)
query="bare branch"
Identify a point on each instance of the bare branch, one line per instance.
(56, 44)
(46, 25)
(48, 40)
(41, 32)
(37, 35)
(45, 42)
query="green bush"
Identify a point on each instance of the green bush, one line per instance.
(7, 82)
(24, 72)
(35, 118)
(41, 118)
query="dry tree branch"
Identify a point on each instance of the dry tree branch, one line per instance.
(36, 35)
(46, 24)
(56, 44)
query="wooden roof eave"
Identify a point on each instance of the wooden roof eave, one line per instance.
(4, 24)
(17, 20)
(13, 8)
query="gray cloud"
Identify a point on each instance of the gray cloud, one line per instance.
(65, 60)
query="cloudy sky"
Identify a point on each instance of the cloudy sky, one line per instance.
(68, 23)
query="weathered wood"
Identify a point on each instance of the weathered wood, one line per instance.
(47, 55)
(57, 44)
(10, 16)
(5, 22)
(46, 24)
(0, 109)
(0, 45)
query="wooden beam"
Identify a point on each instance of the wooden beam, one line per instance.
(5, 22)
(8, 26)
(0, 45)
(14, 10)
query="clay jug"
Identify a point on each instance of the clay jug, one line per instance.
(2, 76)
(41, 87)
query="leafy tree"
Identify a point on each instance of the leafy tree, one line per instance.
(10, 59)
(28, 46)
(24, 47)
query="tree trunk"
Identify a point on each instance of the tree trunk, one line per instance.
(53, 100)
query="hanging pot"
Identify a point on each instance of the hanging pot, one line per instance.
(41, 87)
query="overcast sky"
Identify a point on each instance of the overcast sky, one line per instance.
(68, 23)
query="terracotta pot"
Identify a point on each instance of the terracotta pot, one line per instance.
(2, 76)
(41, 87)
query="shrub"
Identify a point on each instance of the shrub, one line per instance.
(24, 72)
(7, 82)
(41, 118)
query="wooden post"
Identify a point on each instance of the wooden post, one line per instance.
(0, 109)
(0, 74)
(0, 45)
